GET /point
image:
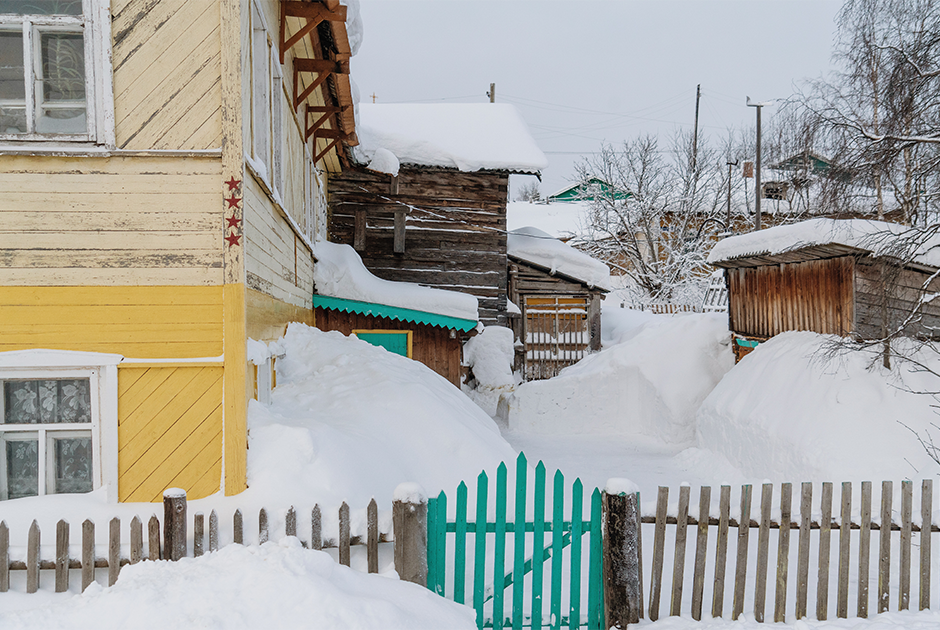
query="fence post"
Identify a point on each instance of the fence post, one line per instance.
(174, 523)
(410, 523)
(620, 532)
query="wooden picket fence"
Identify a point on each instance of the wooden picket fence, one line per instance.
(749, 577)
(157, 546)
(663, 308)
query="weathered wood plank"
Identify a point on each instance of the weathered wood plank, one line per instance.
(344, 534)
(701, 548)
(659, 544)
(884, 546)
(926, 516)
(904, 579)
(372, 544)
(763, 544)
(88, 553)
(678, 566)
(4, 557)
(864, 550)
(114, 550)
(62, 556)
(721, 551)
(825, 527)
(845, 549)
(802, 567)
(316, 528)
(137, 540)
(740, 572)
(32, 558)
(783, 553)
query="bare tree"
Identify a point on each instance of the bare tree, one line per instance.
(529, 192)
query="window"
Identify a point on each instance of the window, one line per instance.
(267, 96)
(50, 87)
(47, 435)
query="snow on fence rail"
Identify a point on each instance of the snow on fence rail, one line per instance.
(174, 543)
(748, 582)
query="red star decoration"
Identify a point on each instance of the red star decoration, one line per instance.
(233, 201)
(233, 239)
(233, 222)
(233, 184)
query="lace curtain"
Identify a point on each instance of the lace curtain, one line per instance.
(43, 402)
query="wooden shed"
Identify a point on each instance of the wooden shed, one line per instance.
(824, 275)
(558, 291)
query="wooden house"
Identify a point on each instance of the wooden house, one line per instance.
(438, 216)
(160, 193)
(842, 277)
(558, 292)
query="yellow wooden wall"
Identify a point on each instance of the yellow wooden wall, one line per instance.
(110, 221)
(169, 431)
(268, 318)
(167, 74)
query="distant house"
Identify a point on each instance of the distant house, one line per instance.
(558, 291)
(588, 190)
(830, 276)
(427, 201)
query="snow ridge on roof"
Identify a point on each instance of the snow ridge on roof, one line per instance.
(339, 273)
(535, 246)
(465, 136)
(876, 237)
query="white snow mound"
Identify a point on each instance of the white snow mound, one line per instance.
(650, 384)
(535, 246)
(788, 412)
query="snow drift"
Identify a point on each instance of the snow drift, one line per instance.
(651, 383)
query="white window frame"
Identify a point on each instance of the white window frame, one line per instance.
(101, 370)
(265, 151)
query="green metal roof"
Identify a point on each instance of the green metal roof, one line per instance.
(393, 312)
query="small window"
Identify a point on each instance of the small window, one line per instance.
(267, 96)
(47, 436)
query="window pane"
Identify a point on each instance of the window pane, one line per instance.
(47, 401)
(63, 84)
(12, 71)
(22, 468)
(41, 7)
(72, 457)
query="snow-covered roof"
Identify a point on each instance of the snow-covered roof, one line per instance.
(534, 246)
(465, 136)
(339, 273)
(875, 237)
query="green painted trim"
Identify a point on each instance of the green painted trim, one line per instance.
(392, 312)
(746, 343)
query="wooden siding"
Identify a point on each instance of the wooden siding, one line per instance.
(814, 295)
(268, 318)
(455, 235)
(431, 345)
(169, 431)
(139, 322)
(99, 221)
(166, 59)
(906, 287)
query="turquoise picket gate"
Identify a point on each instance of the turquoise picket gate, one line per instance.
(527, 606)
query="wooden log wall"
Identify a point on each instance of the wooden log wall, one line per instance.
(905, 291)
(455, 229)
(431, 345)
(814, 295)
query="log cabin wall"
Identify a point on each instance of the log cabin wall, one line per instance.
(431, 345)
(874, 307)
(813, 295)
(454, 229)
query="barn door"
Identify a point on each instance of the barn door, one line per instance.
(557, 334)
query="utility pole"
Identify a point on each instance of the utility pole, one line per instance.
(492, 93)
(757, 215)
(698, 95)
(728, 218)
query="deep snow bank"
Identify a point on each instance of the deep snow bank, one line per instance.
(349, 421)
(789, 413)
(650, 383)
(272, 586)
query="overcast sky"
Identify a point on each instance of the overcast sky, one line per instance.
(583, 72)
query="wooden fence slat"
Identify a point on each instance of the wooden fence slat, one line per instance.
(538, 543)
(316, 528)
(884, 547)
(238, 528)
(596, 577)
(659, 544)
(518, 560)
(479, 548)
(4, 557)
(61, 556)
(558, 518)
(199, 534)
(114, 550)
(904, 580)
(344, 534)
(499, 549)
(802, 567)
(926, 527)
(701, 547)
(372, 536)
(460, 546)
(32, 559)
(845, 550)
(721, 551)
(740, 570)
(783, 553)
(88, 553)
(262, 526)
(213, 531)
(153, 538)
(678, 565)
(763, 545)
(577, 524)
(864, 550)
(290, 522)
(137, 540)
(825, 530)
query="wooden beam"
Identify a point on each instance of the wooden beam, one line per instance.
(399, 242)
(323, 153)
(326, 110)
(359, 234)
(323, 67)
(315, 13)
(332, 134)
